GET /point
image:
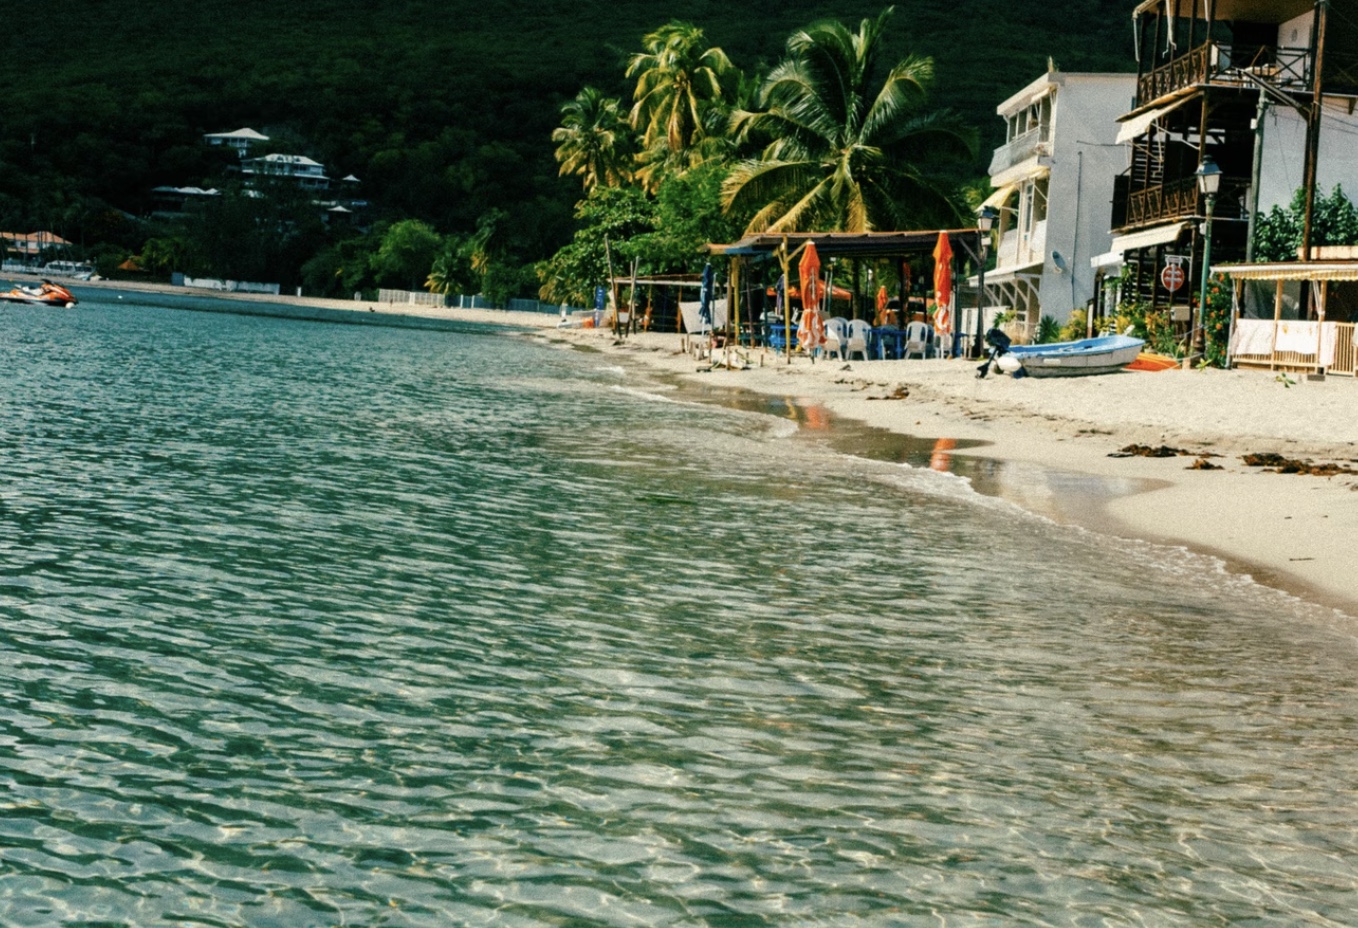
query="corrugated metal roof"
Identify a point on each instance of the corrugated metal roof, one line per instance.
(1291, 270)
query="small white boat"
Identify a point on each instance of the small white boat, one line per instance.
(1072, 359)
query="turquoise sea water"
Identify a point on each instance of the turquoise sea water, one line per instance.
(315, 624)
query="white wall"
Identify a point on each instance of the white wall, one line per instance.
(1085, 161)
(1284, 159)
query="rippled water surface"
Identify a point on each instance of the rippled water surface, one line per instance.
(315, 624)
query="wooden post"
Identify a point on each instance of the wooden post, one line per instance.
(785, 260)
(1277, 318)
(612, 284)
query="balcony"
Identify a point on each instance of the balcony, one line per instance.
(1020, 148)
(1227, 65)
(1175, 200)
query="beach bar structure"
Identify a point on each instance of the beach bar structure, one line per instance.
(1271, 327)
(759, 258)
(1223, 82)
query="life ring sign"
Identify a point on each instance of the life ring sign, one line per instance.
(1172, 276)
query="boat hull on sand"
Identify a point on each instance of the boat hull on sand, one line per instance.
(1076, 359)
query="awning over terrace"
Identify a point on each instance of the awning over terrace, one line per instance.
(1139, 123)
(1291, 270)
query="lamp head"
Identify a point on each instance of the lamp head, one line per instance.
(985, 218)
(1209, 177)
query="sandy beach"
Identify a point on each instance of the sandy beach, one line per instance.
(1289, 530)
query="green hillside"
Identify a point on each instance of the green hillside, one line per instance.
(443, 109)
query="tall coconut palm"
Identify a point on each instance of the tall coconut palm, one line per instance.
(594, 140)
(841, 151)
(677, 83)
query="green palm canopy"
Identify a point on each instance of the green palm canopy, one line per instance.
(842, 152)
(594, 140)
(679, 83)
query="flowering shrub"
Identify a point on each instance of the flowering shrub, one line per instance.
(1216, 319)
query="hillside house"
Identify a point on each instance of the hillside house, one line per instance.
(240, 139)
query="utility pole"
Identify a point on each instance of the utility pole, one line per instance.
(1256, 173)
(1313, 123)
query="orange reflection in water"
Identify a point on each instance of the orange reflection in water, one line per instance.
(941, 459)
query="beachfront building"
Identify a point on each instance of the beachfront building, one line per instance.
(240, 139)
(1208, 70)
(1053, 182)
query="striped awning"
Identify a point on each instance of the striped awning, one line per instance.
(1291, 270)
(1147, 238)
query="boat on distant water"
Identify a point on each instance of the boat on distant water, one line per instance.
(45, 294)
(1102, 355)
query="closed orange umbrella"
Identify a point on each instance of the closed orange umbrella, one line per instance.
(809, 271)
(811, 330)
(884, 316)
(943, 287)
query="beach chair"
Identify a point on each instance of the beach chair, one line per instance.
(836, 336)
(917, 339)
(860, 334)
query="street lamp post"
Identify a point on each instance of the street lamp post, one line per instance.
(1209, 182)
(985, 221)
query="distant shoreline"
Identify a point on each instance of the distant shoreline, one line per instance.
(358, 307)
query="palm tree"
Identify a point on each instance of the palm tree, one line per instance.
(677, 84)
(840, 155)
(594, 140)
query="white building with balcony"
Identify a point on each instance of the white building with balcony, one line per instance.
(1053, 188)
(306, 173)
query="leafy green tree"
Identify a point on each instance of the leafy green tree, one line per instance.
(678, 83)
(844, 152)
(1277, 235)
(617, 215)
(594, 140)
(688, 214)
(408, 251)
(164, 255)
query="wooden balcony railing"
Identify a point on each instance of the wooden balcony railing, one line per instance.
(1285, 68)
(1174, 200)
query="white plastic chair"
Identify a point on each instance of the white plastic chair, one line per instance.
(917, 339)
(836, 336)
(860, 334)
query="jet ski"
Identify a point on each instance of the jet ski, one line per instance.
(46, 294)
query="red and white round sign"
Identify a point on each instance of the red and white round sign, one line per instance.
(1172, 277)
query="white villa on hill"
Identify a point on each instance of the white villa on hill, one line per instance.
(309, 174)
(240, 139)
(1053, 187)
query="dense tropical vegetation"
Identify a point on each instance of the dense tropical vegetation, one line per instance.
(451, 115)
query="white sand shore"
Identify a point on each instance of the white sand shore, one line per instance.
(1292, 531)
